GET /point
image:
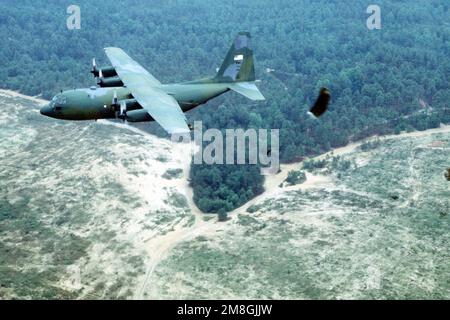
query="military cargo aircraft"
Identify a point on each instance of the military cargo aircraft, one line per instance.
(127, 91)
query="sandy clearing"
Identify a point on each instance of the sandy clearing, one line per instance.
(272, 182)
(160, 247)
(156, 245)
(15, 94)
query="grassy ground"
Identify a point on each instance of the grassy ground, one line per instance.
(89, 210)
(379, 230)
(78, 203)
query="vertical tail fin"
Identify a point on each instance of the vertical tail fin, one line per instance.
(238, 64)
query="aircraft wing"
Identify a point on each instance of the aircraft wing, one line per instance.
(162, 107)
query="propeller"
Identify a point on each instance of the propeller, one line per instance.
(100, 77)
(114, 101)
(123, 111)
(94, 70)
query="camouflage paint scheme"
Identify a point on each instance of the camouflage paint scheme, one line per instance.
(144, 98)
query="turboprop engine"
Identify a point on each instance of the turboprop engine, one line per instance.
(106, 77)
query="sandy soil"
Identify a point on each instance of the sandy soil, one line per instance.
(15, 94)
(163, 245)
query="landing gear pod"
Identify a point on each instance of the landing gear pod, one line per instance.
(140, 115)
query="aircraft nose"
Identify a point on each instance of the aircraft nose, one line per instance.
(46, 111)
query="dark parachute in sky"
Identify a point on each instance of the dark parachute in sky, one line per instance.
(321, 104)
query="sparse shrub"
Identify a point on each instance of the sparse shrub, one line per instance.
(295, 177)
(177, 200)
(173, 174)
(223, 216)
(253, 208)
(340, 164)
(162, 158)
(370, 145)
(314, 164)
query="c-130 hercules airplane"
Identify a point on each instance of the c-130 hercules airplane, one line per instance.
(127, 91)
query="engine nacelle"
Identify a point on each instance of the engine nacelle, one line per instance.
(109, 72)
(109, 82)
(106, 71)
(127, 104)
(131, 104)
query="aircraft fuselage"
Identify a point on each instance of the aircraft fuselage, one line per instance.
(97, 102)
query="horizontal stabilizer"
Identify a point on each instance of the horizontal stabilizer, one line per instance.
(248, 89)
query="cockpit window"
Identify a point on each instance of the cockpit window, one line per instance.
(61, 100)
(58, 102)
